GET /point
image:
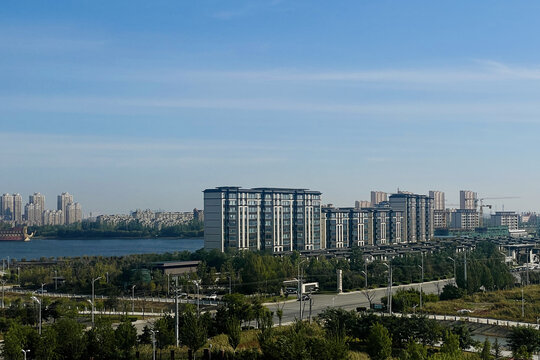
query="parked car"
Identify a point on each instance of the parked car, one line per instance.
(212, 297)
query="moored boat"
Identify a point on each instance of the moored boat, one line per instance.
(15, 234)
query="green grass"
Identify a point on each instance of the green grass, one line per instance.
(501, 304)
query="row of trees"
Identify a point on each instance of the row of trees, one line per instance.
(260, 272)
(132, 229)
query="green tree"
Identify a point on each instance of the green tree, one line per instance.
(486, 350)
(100, 341)
(451, 344)
(193, 333)
(524, 336)
(379, 342)
(414, 351)
(126, 338)
(234, 333)
(17, 338)
(47, 344)
(71, 340)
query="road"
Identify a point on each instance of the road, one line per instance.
(347, 301)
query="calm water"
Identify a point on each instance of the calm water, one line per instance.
(37, 248)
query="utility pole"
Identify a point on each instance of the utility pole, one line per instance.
(389, 299)
(300, 286)
(176, 320)
(168, 284)
(93, 299)
(310, 305)
(465, 267)
(365, 275)
(454, 261)
(133, 300)
(55, 280)
(528, 259)
(421, 267)
(3, 282)
(522, 304)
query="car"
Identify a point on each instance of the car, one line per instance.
(305, 297)
(212, 297)
(464, 311)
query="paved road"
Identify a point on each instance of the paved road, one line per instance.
(348, 301)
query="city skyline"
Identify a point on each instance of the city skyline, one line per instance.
(137, 107)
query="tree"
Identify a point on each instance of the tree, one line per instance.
(146, 336)
(193, 332)
(379, 342)
(234, 332)
(47, 344)
(72, 344)
(370, 296)
(497, 351)
(126, 338)
(100, 341)
(451, 344)
(451, 292)
(524, 336)
(19, 337)
(414, 351)
(486, 350)
(464, 335)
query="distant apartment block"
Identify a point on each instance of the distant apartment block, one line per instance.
(417, 213)
(467, 200)
(149, 218)
(53, 217)
(11, 208)
(464, 219)
(506, 218)
(378, 197)
(440, 219)
(274, 219)
(362, 204)
(438, 200)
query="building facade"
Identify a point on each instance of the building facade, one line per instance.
(464, 219)
(505, 218)
(438, 200)
(467, 200)
(272, 219)
(417, 213)
(362, 204)
(378, 197)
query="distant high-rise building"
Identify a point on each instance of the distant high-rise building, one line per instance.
(464, 219)
(362, 204)
(7, 203)
(73, 213)
(17, 208)
(417, 213)
(438, 199)
(38, 199)
(63, 201)
(53, 217)
(272, 219)
(378, 197)
(506, 218)
(467, 200)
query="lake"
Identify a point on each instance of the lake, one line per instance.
(37, 248)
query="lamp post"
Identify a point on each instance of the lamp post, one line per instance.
(421, 283)
(198, 285)
(3, 282)
(25, 352)
(454, 261)
(39, 302)
(154, 332)
(93, 299)
(300, 286)
(55, 280)
(176, 319)
(389, 266)
(133, 300)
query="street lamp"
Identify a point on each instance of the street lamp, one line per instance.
(154, 332)
(39, 302)
(454, 261)
(24, 352)
(133, 299)
(197, 284)
(389, 266)
(93, 299)
(3, 282)
(300, 286)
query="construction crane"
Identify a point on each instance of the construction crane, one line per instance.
(482, 205)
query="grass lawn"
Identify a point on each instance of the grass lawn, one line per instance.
(501, 304)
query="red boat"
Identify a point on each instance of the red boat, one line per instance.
(15, 234)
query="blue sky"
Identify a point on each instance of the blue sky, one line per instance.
(139, 104)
